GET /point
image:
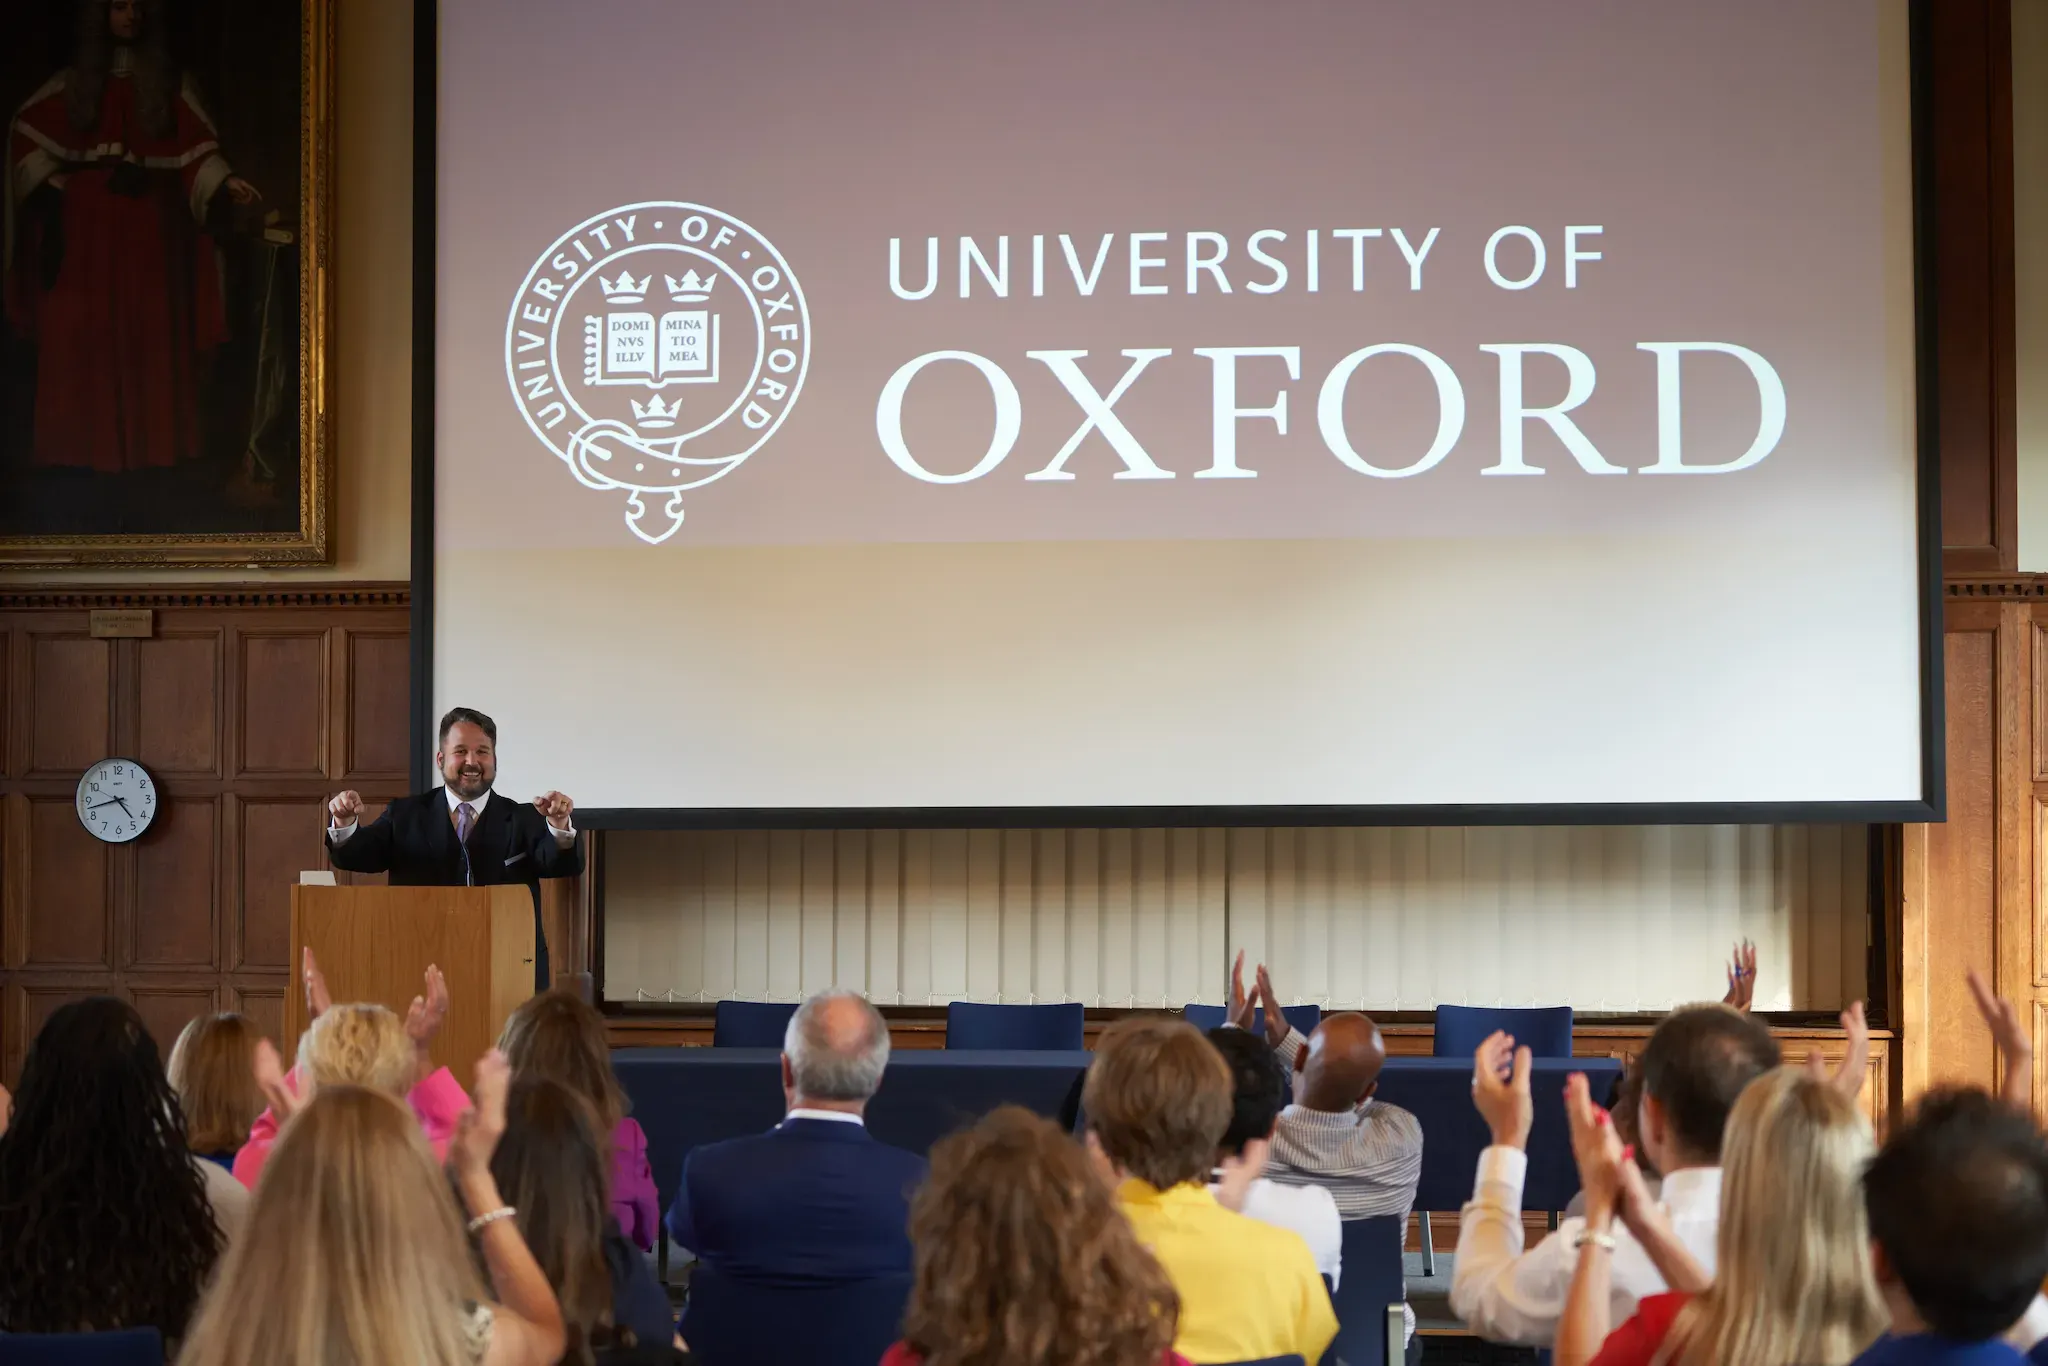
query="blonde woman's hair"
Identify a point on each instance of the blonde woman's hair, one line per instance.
(212, 1069)
(1792, 1284)
(353, 1252)
(359, 1045)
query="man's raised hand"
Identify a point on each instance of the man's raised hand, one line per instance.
(2002, 1018)
(556, 808)
(1277, 1027)
(343, 809)
(1239, 1009)
(1500, 1089)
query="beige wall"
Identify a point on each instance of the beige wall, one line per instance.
(371, 313)
(2030, 253)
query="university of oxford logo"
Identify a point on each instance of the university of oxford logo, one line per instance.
(653, 348)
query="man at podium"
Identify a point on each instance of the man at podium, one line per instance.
(462, 834)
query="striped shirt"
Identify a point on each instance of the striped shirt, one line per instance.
(1369, 1158)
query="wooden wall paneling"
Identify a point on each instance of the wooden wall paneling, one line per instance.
(8, 692)
(282, 718)
(279, 839)
(265, 1008)
(175, 921)
(375, 675)
(68, 921)
(70, 717)
(1970, 119)
(166, 1006)
(178, 704)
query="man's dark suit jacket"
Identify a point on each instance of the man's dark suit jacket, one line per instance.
(414, 841)
(810, 1202)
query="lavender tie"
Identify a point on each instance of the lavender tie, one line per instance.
(464, 818)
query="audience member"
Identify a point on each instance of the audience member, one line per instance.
(816, 1199)
(1695, 1065)
(212, 1068)
(1366, 1153)
(1258, 1094)
(356, 1254)
(1158, 1100)
(551, 1167)
(1958, 1208)
(557, 1034)
(1793, 1282)
(1022, 1259)
(105, 1219)
(364, 1045)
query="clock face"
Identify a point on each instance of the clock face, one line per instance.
(116, 800)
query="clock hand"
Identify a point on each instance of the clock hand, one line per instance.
(114, 801)
(122, 802)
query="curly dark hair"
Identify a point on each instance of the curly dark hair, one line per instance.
(104, 1220)
(1022, 1257)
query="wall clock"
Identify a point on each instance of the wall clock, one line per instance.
(116, 800)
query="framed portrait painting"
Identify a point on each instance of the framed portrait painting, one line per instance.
(163, 344)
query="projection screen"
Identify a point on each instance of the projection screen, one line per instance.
(1505, 408)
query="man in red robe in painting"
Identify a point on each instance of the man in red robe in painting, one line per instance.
(112, 166)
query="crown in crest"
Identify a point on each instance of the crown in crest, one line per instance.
(625, 289)
(692, 288)
(654, 415)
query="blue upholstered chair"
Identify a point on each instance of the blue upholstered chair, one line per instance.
(128, 1347)
(1371, 1328)
(1304, 1018)
(1034, 1029)
(1546, 1030)
(729, 1322)
(750, 1024)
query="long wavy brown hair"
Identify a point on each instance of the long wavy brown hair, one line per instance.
(1023, 1257)
(557, 1034)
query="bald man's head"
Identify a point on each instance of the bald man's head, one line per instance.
(1341, 1065)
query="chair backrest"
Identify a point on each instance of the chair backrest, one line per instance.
(1370, 1293)
(1303, 1017)
(750, 1024)
(1545, 1030)
(733, 1322)
(126, 1347)
(1036, 1029)
(1271, 1361)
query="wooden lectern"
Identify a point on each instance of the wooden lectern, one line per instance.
(374, 944)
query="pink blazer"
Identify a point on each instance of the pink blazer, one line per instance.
(438, 1101)
(634, 1203)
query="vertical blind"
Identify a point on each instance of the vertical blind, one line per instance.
(1608, 918)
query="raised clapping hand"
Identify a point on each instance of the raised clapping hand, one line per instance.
(556, 808)
(1741, 977)
(344, 808)
(480, 1127)
(1599, 1151)
(1500, 1089)
(1277, 1027)
(2002, 1018)
(428, 1012)
(1239, 1009)
(284, 1103)
(318, 999)
(1848, 1076)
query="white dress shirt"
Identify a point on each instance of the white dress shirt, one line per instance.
(836, 1116)
(565, 835)
(1506, 1294)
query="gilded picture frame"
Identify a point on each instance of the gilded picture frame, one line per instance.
(202, 435)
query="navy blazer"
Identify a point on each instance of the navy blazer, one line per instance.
(812, 1201)
(414, 841)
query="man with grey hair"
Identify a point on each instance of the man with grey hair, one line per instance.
(815, 1200)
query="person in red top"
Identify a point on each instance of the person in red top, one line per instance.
(1023, 1258)
(1793, 1283)
(112, 169)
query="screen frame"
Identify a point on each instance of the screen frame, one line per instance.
(1931, 806)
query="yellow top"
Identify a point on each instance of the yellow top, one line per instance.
(1247, 1290)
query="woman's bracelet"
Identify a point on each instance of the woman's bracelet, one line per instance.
(1604, 1241)
(492, 1216)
